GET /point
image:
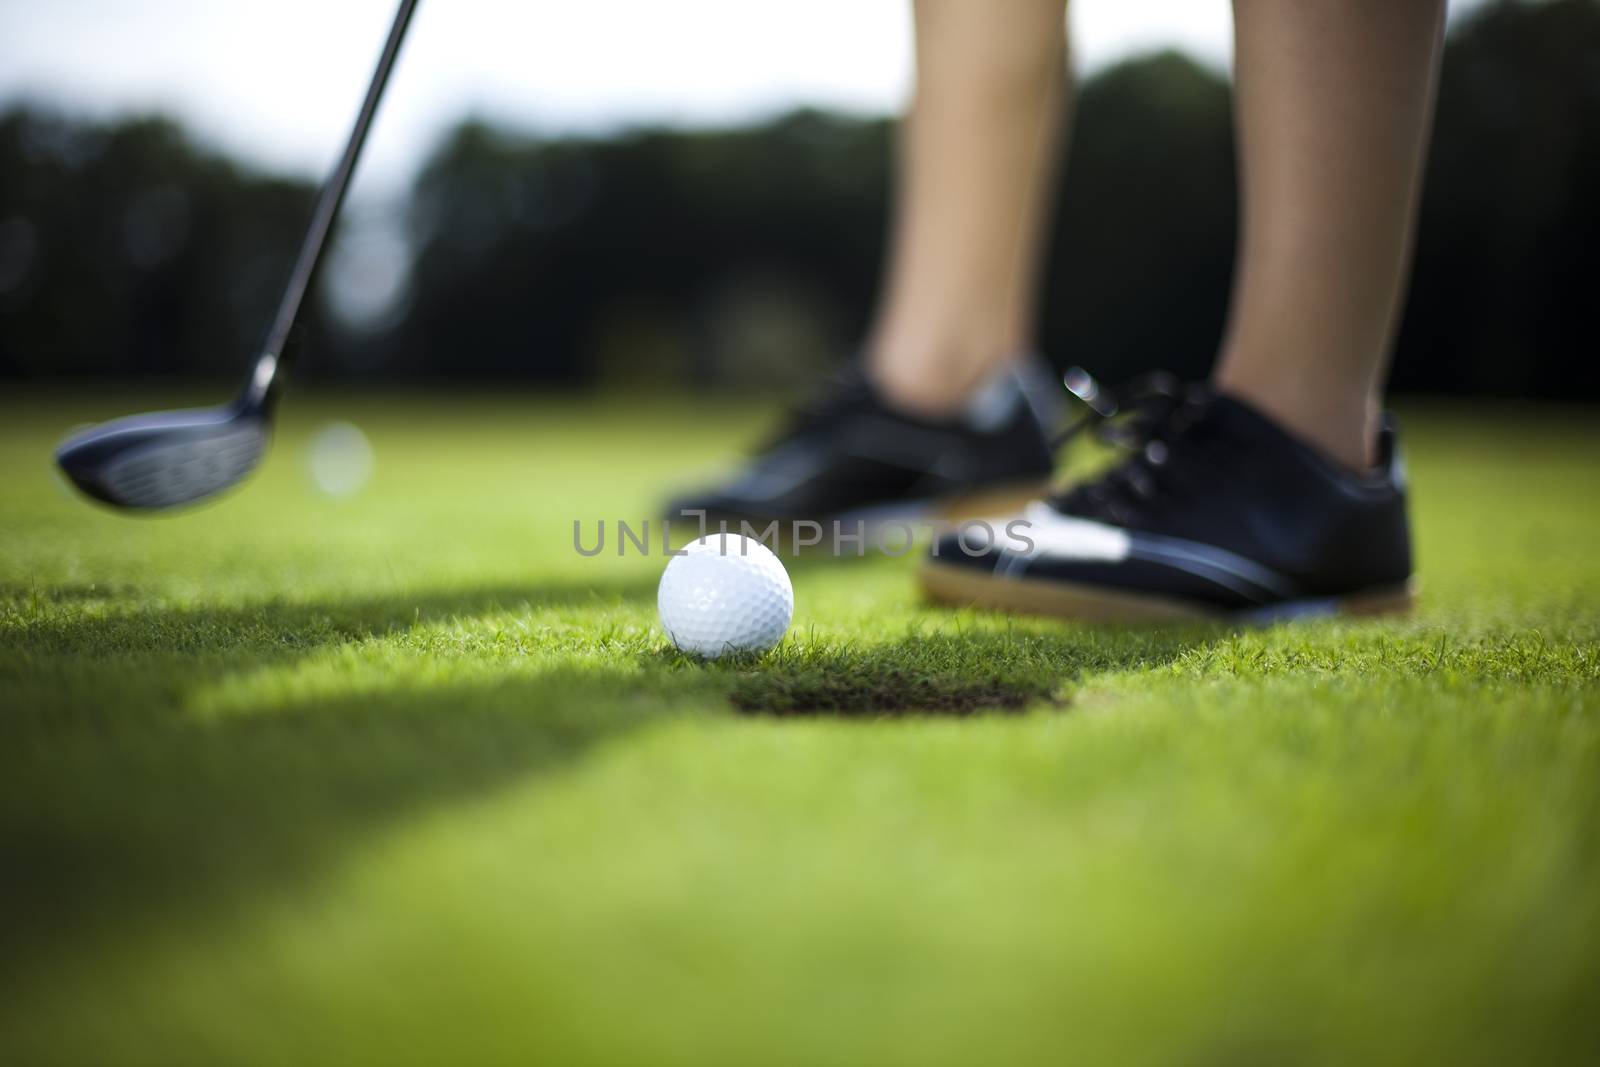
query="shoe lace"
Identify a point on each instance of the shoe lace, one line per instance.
(1136, 418)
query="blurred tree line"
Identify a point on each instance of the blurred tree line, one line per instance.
(750, 256)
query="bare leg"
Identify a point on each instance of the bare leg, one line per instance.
(975, 160)
(1335, 98)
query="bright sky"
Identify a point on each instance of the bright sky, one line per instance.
(278, 81)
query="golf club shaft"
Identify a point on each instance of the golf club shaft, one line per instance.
(263, 386)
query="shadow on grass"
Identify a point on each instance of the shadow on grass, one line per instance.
(119, 805)
(270, 625)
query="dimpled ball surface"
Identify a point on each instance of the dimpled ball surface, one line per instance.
(726, 593)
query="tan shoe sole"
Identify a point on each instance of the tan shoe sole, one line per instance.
(989, 503)
(963, 586)
(993, 502)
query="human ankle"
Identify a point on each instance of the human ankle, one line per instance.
(1339, 424)
(932, 381)
(926, 399)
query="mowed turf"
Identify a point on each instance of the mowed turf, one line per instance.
(402, 778)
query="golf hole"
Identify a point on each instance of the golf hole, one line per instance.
(871, 695)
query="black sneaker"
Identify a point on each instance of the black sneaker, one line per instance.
(848, 455)
(1214, 510)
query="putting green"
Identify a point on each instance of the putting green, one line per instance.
(400, 777)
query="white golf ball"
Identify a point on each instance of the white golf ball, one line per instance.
(726, 593)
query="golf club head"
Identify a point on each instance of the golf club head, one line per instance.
(165, 459)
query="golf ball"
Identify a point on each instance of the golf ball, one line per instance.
(726, 593)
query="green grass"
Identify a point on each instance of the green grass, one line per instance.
(401, 778)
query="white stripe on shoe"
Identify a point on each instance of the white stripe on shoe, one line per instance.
(1067, 537)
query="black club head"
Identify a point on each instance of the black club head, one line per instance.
(165, 459)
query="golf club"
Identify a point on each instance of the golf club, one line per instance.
(167, 459)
